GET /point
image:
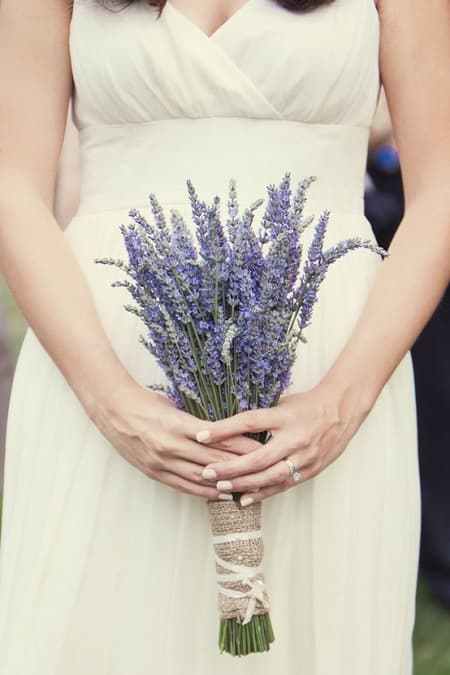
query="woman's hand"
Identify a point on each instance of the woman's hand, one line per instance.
(310, 429)
(158, 439)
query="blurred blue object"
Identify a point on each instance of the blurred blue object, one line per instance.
(385, 158)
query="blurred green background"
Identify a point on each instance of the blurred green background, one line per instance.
(432, 632)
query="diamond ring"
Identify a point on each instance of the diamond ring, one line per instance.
(294, 474)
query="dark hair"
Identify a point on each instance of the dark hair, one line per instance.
(294, 5)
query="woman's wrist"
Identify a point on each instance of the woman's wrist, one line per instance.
(102, 386)
(357, 385)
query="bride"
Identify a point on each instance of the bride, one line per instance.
(106, 565)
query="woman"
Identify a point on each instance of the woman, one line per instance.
(106, 555)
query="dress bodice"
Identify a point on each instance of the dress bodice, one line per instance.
(265, 62)
(268, 82)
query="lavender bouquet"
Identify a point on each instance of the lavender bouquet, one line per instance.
(224, 311)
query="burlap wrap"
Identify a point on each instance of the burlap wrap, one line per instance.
(228, 518)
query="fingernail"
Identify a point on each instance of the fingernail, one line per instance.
(209, 474)
(225, 497)
(246, 501)
(224, 485)
(203, 436)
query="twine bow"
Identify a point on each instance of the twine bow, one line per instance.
(241, 574)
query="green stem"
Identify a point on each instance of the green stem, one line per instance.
(204, 386)
(239, 640)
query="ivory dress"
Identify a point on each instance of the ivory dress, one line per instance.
(105, 572)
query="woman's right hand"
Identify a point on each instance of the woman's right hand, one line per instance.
(157, 438)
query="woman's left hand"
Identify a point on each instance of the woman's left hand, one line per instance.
(310, 429)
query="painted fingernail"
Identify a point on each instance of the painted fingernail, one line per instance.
(203, 436)
(224, 485)
(246, 501)
(209, 474)
(225, 497)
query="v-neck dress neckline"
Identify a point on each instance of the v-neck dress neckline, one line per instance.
(223, 26)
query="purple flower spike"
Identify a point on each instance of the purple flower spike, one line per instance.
(225, 305)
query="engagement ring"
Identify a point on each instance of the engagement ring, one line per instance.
(294, 474)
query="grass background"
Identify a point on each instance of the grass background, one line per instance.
(432, 631)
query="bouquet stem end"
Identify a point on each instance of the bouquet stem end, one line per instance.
(240, 639)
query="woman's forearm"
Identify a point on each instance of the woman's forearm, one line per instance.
(407, 289)
(55, 298)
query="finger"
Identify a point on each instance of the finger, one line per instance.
(251, 421)
(204, 455)
(186, 425)
(253, 462)
(283, 445)
(169, 447)
(189, 471)
(253, 497)
(307, 472)
(277, 474)
(239, 445)
(183, 485)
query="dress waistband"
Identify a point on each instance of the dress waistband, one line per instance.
(123, 163)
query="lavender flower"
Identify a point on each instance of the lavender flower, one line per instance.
(225, 305)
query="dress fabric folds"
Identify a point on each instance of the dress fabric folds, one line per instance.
(105, 572)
